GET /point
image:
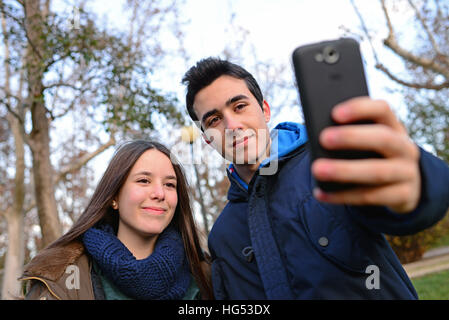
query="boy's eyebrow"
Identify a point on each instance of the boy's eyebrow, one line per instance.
(228, 102)
(235, 99)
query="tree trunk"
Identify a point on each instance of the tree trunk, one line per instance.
(39, 136)
(14, 255)
(43, 177)
(15, 219)
(15, 251)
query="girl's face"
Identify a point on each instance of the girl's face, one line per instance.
(148, 198)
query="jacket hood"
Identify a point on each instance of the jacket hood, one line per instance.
(286, 137)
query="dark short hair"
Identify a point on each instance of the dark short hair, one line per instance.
(208, 70)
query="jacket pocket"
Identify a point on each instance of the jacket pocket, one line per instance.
(332, 232)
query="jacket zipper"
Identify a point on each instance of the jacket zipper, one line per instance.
(46, 284)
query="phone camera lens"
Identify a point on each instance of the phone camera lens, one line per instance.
(330, 55)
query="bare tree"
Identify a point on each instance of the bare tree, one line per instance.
(421, 42)
(14, 209)
(425, 76)
(60, 68)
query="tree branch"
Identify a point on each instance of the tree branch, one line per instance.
(29, 207)
(426, 28)
(392, 43)
(25, 136)
(61, 84)
(82, 89)
(430, 86)
(83, 160)
(53, 61)
(46, 9)
(11, 110)
(65, 83)
(21, 23)
(5, 213)
(70, 107)
(365, 30)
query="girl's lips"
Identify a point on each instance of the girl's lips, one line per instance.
(155, 210)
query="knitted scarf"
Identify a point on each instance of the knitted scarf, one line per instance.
(164, 275)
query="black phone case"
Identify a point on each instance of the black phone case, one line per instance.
(324, 83)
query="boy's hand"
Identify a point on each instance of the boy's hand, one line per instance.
(393, 181)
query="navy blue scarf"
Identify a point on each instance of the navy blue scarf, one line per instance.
(164, 275)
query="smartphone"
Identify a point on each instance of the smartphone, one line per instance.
(328, 73)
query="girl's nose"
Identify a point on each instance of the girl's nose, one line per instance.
(157, 192)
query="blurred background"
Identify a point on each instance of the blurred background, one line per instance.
(78, 78)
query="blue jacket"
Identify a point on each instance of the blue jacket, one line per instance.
(274, 240)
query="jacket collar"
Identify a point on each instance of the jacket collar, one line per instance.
(287, 138)
(51, 263)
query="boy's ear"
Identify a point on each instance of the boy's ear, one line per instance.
(266, 111)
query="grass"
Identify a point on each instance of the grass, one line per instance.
(433, 287)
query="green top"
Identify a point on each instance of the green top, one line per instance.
(111, 292)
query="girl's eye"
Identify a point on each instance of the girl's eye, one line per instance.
(143, 180)
(171, 185)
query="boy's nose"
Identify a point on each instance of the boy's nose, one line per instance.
(232, 123)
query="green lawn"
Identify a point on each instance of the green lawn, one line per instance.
(433, 287)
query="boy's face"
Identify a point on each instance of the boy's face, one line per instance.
(233, 120)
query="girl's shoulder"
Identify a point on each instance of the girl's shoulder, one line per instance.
(58, 273)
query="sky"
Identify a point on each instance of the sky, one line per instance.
(275, 28)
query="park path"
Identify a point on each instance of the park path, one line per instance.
(433, 261)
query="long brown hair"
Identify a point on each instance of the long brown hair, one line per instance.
(99, 209)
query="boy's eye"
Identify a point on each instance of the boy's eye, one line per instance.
(212, 121)
(240, 106)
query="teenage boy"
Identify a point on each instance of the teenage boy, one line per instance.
(279, 237)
